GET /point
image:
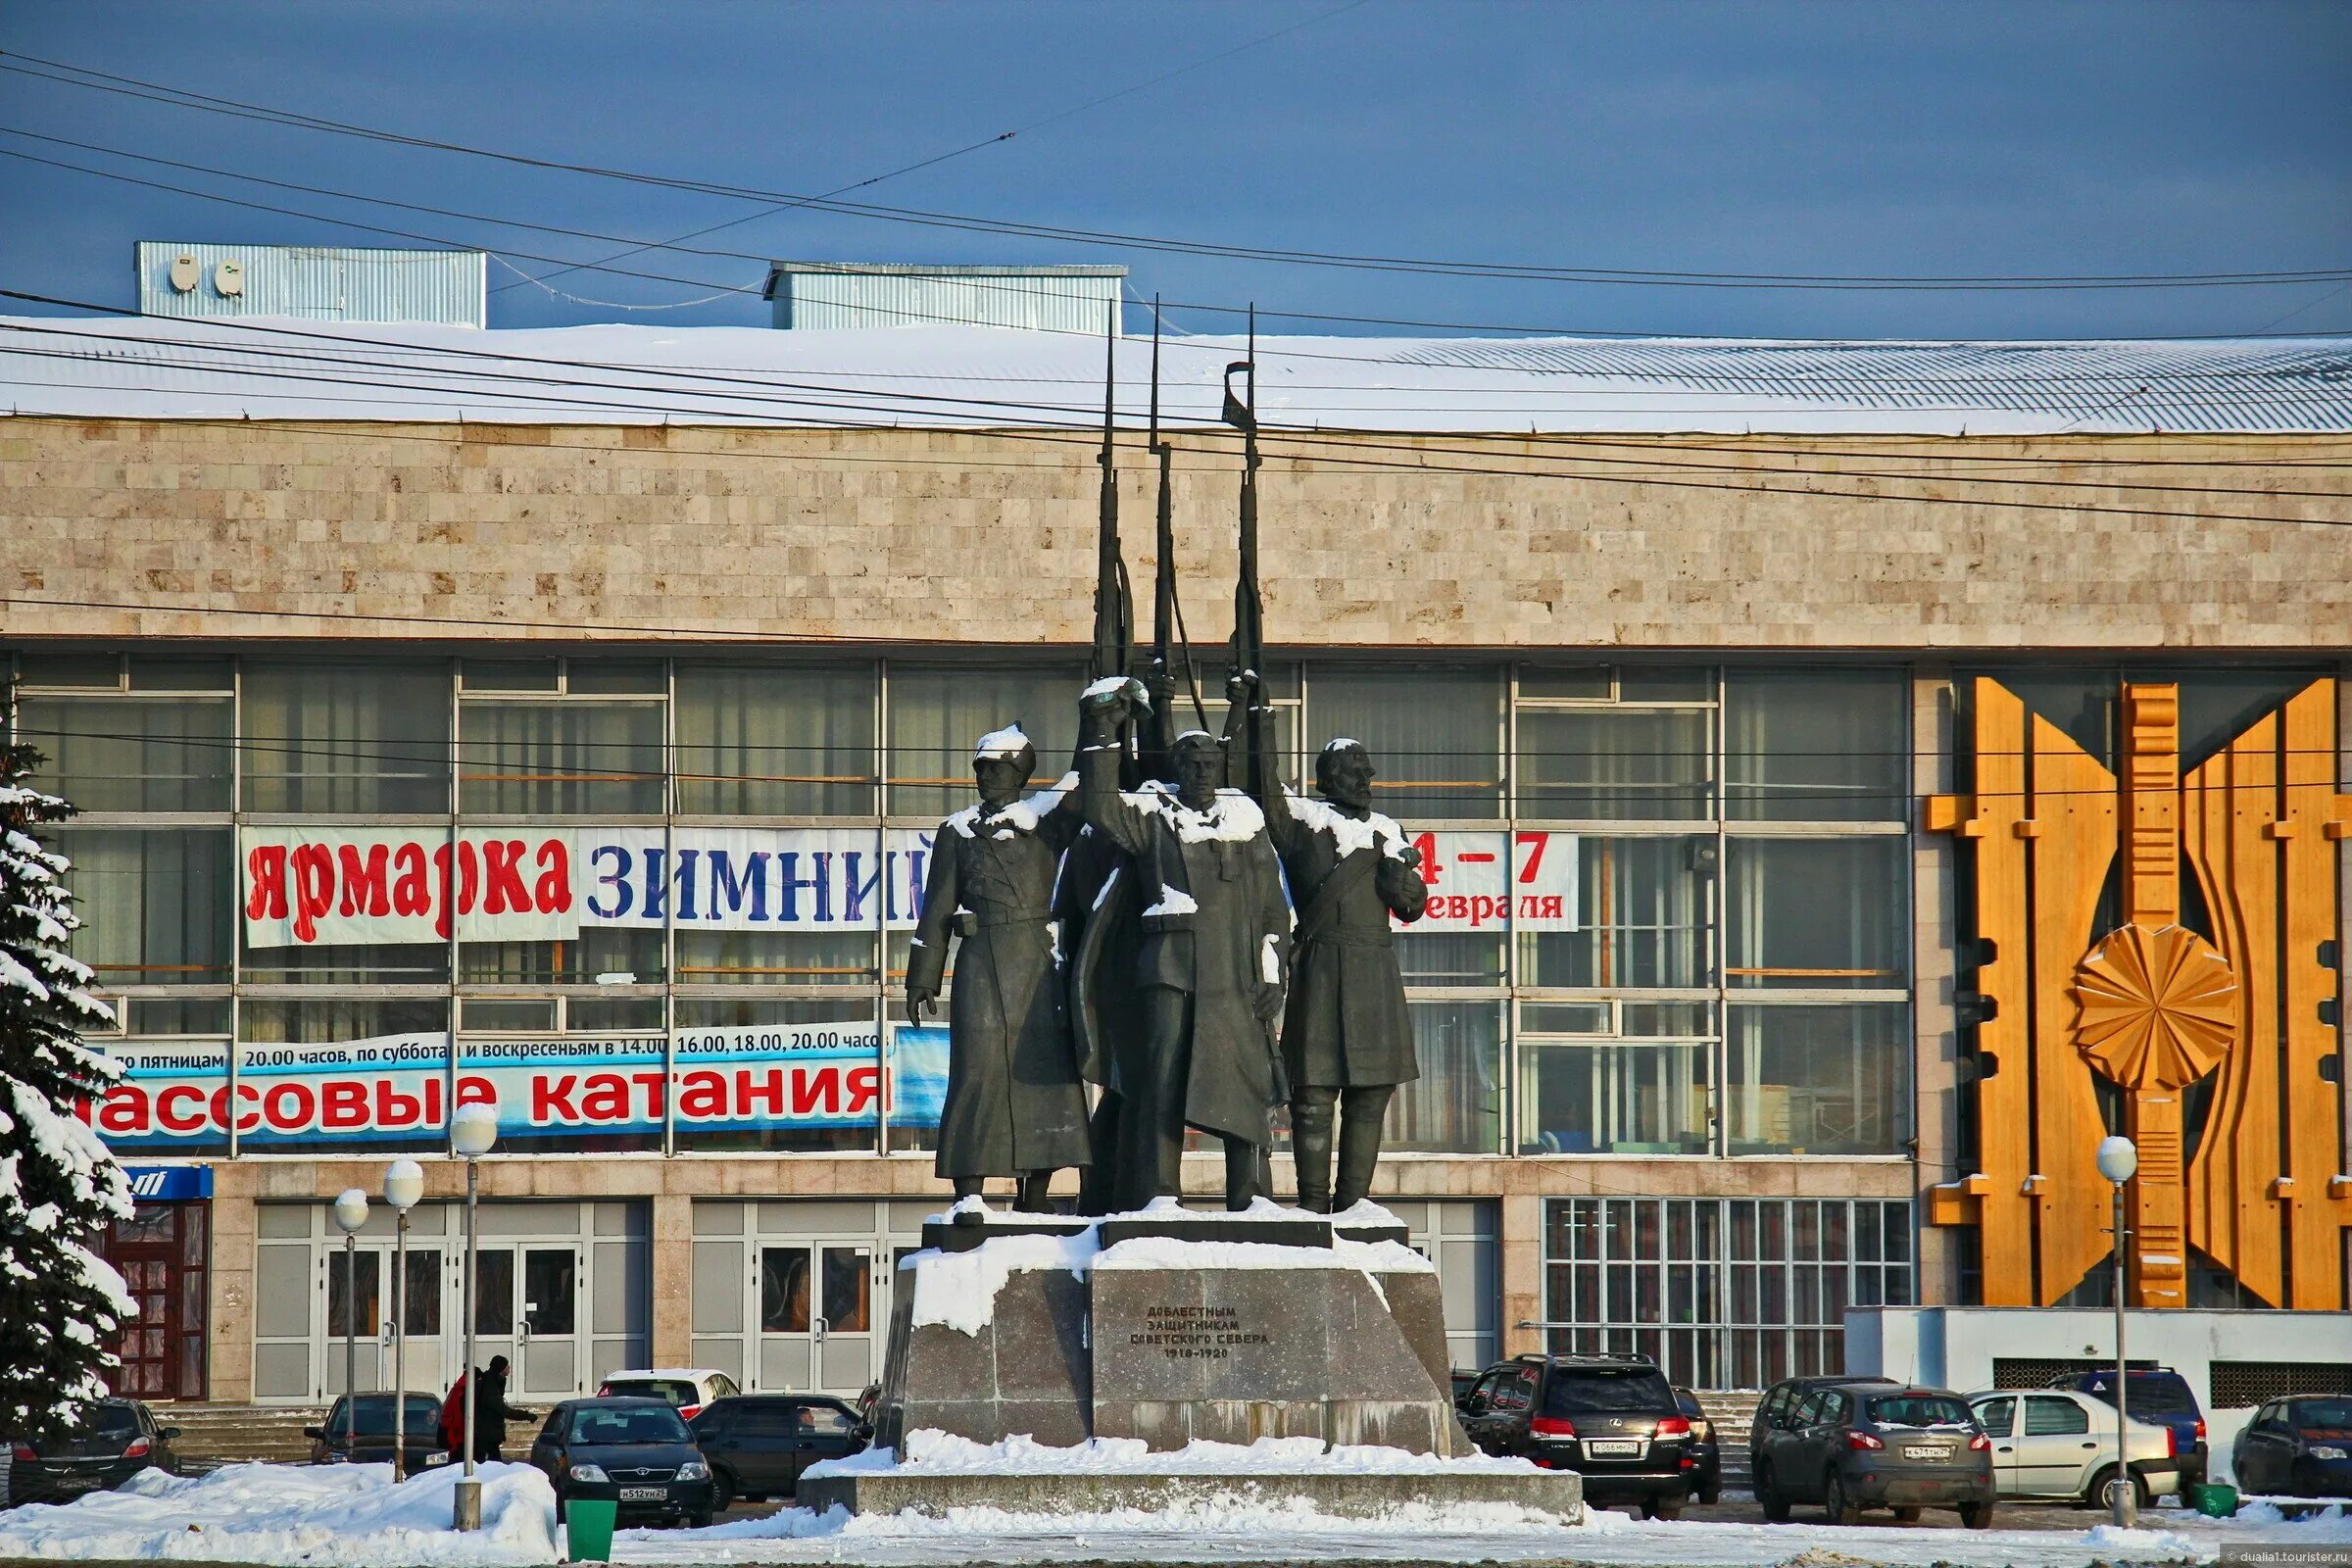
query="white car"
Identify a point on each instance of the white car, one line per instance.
(2055, 1443)
(689, 1387)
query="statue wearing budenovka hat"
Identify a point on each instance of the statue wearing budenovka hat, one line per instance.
(1015, 1105)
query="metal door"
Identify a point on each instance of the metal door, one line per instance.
(1998, 1418)
(815, 1303)
(353, 1281)
(548, 1317)
(2055, 1446)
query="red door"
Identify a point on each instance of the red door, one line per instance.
(162, 1253)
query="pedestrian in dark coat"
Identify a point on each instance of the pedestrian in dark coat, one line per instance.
(1347, 1038)
(1015, 1103)
(1209, 958)
(492, 1412)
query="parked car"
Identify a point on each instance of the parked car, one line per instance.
(1706, 1452)
(116, 1440)
(1610, 1418)
(759, 1443)
(2159, 1395)
(1779, 1403)
(687, 1388)
(636, 1452)
(1855, 1446)
(1463, 1383)
(333, 1441)
(2299, 1447)
(2058, 1444)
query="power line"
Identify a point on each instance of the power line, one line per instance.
(970, 147)
(1345, 444)
(188, 99)
(1907, 380)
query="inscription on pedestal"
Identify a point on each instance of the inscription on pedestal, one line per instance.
(1196, 1332)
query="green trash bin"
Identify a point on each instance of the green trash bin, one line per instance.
(588, 1528)
(2214, 1499)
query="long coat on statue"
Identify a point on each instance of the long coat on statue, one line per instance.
(1345, 1024)
(1213, 926)
(1014, 1101)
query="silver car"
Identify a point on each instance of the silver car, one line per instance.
(2057, 1443)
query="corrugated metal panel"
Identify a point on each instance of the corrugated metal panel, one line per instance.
(819, 297)
(319, 283)
(136, 368)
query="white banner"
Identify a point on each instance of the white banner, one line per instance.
(311, 887)
(1491, 880)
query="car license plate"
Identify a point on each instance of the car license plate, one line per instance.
(1928, 1451)
(645, 1494)
(1608, 1448)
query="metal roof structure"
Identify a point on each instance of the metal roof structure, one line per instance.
(831, 296)
(313, 283)
(981, 377)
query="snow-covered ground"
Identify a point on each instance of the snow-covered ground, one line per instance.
(355, 1516)
(312, 1514)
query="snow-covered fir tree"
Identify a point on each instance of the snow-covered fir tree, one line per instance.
(59, 1301)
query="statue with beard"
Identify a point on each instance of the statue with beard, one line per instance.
(1015, 1105)
(1208, 959)
(1347, 1038)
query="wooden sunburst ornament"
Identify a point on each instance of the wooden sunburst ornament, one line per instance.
(2159, 1006)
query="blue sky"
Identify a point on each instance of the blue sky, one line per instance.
(1824, 137)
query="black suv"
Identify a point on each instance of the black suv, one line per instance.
(1610, 1418)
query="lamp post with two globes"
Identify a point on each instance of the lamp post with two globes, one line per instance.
(2119, 1162)
(472, 1132)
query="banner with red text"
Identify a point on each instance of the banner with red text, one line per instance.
(305, 887)
(1493, 880)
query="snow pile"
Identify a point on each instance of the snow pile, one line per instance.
(348, 1515)
(1349, 833)
(1164, 1251)
(930, 1451)
(959, 1290)
(1004, 744)
(1233, 818)
(1014, 818)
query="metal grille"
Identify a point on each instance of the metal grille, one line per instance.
(1722, 1293)
(2040, 1371)
(2232, 1384)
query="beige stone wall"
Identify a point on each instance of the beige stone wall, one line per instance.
(406, 531)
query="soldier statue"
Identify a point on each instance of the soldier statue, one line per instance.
(1014, 1105)
(1209, 959)
(1346, 1039)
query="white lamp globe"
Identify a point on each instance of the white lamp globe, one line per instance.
(351, 1210)
(474, 1128)
(2118, 1158)
(404, 1184)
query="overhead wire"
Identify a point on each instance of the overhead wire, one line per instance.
(189, 99)
(1335, 450)
(998, 287)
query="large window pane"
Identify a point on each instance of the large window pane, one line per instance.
(1617, 764)
(938, 714)
(127, 753)
(1621, 1097)
(775, 740)
(1817, 915)
(776, 957)
(1642, 909)
(605, 955)
(155, 905)
(1455, 1105)
(339, 738)
(1817, 1080)
(1828, 746)
(560, 758)
(1435, 736)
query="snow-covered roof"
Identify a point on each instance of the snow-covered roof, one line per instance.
(975, 377)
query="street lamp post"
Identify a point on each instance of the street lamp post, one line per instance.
(404, 1184)
(472, 1130)
(2119, 1159)
(351, 1212)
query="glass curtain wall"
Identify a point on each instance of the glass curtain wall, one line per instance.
(1674, 904)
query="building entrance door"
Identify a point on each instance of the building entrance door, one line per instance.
(360, 1294)
(161, 1253)
(527, 1308)
(816, 1300)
